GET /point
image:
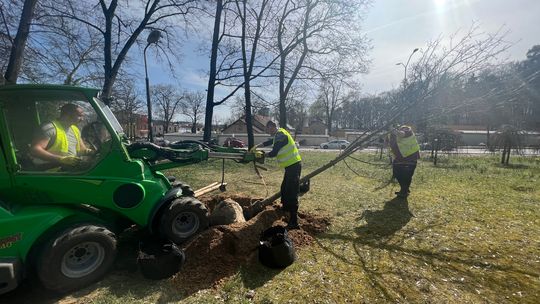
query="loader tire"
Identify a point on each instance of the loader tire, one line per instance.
(186, 189)
(76, 257)
(183, 218)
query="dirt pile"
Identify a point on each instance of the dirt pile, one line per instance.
(218, 252)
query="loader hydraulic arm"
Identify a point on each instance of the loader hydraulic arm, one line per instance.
(178, 155)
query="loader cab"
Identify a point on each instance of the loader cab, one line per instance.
(32, 112)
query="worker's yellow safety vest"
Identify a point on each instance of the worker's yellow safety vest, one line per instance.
(407, 145)
(288, 154)
(61, 144)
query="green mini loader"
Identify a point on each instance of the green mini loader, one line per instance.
(62, 223)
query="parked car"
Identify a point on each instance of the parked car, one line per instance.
(234, 143)
(335, 144)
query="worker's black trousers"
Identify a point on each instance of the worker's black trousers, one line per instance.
(404, 173)
(290, 187)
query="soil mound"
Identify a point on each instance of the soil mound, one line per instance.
(218, 252)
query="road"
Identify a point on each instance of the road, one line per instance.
(463, 150)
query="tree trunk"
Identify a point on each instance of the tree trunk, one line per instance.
(436, 152)
(249, 116)
(194, 125)
(282, 94)
(212, 77)
(488, 145)
(19, 44)
(108, 13)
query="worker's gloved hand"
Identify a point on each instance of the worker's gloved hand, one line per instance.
(254, 148)
(70, 161)
(259, 157)
(88, 152)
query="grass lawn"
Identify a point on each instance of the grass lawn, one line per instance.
(469, 233)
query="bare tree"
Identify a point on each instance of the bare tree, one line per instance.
(64, 52)
(297, 109)
(318, 39)
(236, 39)
(120, 24)
(19, 43)
(68, 53)
(127, 105)
(331, 96)
(470, 54)
(192, 106)
(507, 139)
(210, 104)
(440, 64)
(168, 103)
(248, 64)
(258, 106)
(10, 13)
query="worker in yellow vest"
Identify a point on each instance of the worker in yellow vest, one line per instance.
(59, 142)
(288, 157)
(406, 152)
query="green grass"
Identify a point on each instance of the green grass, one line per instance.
(469, 233)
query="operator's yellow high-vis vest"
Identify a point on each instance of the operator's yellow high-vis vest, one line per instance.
(407, 145)
(61, 144)
(288, 154)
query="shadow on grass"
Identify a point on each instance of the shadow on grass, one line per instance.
(514, 166)
(256, 275)
(382, 255)
(384, 223)
(31, 291)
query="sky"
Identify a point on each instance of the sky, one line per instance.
(396, 28)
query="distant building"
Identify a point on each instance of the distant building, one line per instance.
(134, 125)
(158, 127)
(239, 126)
(315, 127)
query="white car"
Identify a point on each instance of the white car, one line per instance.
(335, 144)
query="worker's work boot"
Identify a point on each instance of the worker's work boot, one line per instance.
(401, 194)
(293, 222)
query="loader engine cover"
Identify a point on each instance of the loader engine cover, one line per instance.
(128, 195)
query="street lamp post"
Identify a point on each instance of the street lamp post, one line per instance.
(153, 37)
(407, 64)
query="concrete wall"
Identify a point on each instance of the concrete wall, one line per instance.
(351, 136)
(469, 138)
(312, 140)
(474, 138)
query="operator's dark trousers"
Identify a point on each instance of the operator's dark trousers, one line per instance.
(290, 187)
(404, 173)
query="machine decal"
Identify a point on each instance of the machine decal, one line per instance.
(8, 241)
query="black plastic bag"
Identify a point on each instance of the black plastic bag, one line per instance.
(276, 249)
(158, 260)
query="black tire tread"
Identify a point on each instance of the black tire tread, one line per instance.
(67, 235)
(191, 203)
(186, 189)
